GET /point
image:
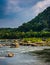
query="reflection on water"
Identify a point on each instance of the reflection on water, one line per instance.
(20, 58)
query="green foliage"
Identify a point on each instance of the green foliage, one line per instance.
(33, 40)
(13, 34)
(39, 23)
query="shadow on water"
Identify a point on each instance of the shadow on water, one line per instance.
(43, 54)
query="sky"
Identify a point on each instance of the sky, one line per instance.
(14, 13)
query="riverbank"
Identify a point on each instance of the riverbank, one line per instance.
(25, 42)
(35, 41)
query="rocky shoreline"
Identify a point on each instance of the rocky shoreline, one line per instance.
(16, 43)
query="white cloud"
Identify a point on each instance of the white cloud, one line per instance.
(40, 6)
(24, 15)
(36, 9)
(12, 6)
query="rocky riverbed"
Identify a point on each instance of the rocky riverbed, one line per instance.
(15, 54)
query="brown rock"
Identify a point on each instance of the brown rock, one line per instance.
(10, 54)
(14, 45)
(1, 45)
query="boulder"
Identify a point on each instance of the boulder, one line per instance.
(10, 54)
(1, 45)
(14, 45)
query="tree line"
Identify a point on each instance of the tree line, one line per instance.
(14, 34)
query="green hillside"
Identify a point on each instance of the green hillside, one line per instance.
(37, 27)
(39, 23)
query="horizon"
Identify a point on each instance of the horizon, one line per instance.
(14, 13)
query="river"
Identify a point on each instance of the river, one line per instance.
(21, 57)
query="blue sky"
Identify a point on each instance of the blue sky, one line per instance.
(15, 12)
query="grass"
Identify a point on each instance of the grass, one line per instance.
(32, 39)
(44, 41)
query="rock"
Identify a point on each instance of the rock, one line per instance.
(28, 41)
(1, 45)
(4, 44)
(20, 43)
(14, 45)
(10, 54)
(43, 39)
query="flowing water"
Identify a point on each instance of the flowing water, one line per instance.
(21, 56)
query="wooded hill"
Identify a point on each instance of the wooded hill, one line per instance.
(39, 23)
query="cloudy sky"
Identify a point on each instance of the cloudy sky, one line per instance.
(15, 12)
